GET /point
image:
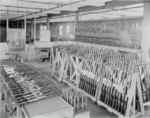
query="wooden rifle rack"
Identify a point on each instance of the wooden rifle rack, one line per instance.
(74, 63)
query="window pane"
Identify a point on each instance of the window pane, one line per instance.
(60, 30)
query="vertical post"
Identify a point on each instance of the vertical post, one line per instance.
(34, 29)
(145, 31)
(25, 31)
(77, 16)
(48, 25)
(47, 22)
(76, 20)
(25, 24)
(7, 24)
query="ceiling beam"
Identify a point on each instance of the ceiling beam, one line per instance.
(90, 8)
(20, 7)
(96, 11)
(106, 11)
(64, 12)
(40, 2)
(67, 4)
(121, 3)
(134, 0)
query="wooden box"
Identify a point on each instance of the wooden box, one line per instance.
(54, 107)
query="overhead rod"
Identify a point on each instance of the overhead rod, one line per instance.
(50, 9)
(20, 7)
(41, 2)
(16, 11)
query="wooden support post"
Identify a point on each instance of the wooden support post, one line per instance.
(47, 22)
(48, 25)
(145, 34)
(7, 25)
(76, 20)
(77, 16)
(34, 29)
(24, 51)
(25, 24)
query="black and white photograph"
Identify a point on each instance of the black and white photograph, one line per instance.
(74, 58)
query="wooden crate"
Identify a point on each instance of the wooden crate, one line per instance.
(54, 107)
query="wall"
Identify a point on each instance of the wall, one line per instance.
(54, 27)
(3, 51)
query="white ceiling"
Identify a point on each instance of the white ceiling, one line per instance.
(30, 6)
(18, 8)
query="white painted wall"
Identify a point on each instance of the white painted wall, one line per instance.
(3, 51)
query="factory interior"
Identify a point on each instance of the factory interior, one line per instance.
(74, 58)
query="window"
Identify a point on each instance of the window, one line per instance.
(60, 29)
(67, 29)
(43, 27)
